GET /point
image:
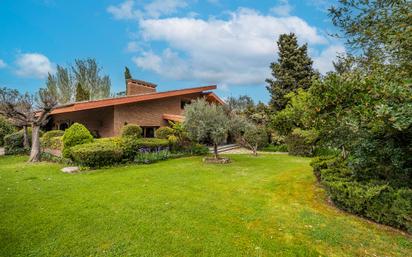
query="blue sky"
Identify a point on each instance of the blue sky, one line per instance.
(173, 43)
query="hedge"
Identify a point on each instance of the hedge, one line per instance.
(380, 202)
(132, 130)
(76, 134)
(13, 143)
(53, 139)
(97, 154)
(6, 128)
(132, 146)
(164, 132)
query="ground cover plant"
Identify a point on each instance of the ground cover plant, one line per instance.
(268, 205)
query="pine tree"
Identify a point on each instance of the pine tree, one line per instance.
(127, 74)
(81, 93)
(292, 71)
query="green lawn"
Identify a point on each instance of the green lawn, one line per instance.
(257, 206)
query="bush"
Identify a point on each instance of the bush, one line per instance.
(132, 130)
(77, 134)
(301, 142)
(97, 154)
(164, 132)
(6, 128)
(377, 201)
(198, 149)
(151, 157)
(13, 143)
(275, 148)
(132, 146)
(52, 139)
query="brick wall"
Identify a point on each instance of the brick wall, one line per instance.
(134, 87)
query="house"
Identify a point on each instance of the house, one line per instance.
(142, 105)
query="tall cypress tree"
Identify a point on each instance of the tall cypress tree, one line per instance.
(127, 74)
(81, 93)
(293, 70)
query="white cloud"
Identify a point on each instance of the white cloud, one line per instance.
(154, 9)
(158, 8)
(33, 65)
(237, 50)
(2, 64)
(282, 9)
(133, 47)
(124, 11)
(323, 62)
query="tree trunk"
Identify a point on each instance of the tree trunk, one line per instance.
(26, 143)
(254, 149)
(35, 144)
(215, 150)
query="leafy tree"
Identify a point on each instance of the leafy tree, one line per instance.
(206, 121)
(5, 128)
(127, 74)
(255, 137)
(293, 70)
(87, 73)
(241, 104)
(61, 85)
(380, 28)
(81, 93)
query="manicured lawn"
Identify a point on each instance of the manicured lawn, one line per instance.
(264, 206)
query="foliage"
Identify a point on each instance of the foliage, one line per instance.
(52, 133)
(61, 85)
(97, 154)
(132, 130)
(378, 28)
(5, 128)
(241, 104)
(197, 149)
(87, 73)
(255, 137)
(152, 157)
(81, 93)
(302, 142)
(127, 74)
(293, 70)
(13, 143)
(53, 143)
(164, 132)
(275, 148)
(373, 199)
(206, 121)
(76, 134)
(131, 146)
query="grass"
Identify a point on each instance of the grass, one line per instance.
(256, 206)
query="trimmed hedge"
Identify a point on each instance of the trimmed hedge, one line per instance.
(132, 130)
(164, 132)
(97, 154)
(77, 134)
(13, 143)
(132, 146)
(377, 201)
(6, 128)
(53, 139)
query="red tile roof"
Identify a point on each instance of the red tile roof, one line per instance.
(79, 106)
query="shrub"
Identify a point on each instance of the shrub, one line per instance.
(132, 130)
(77, 134)
(151, 157)
(377, 201)
(131, 146)
(301, 142)
(52, 139)
(164, 132)
(6, 128)
(198, 149)
(13, 143)
(97, 154)
(275, 148)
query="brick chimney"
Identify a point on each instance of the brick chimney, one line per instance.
(138, 87)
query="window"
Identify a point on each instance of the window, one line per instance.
(148, 131)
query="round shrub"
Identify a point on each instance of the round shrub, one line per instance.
(77, 134)
(132, 130)
(48, 139)
(5, 129)
(97, 154)
(164, 132)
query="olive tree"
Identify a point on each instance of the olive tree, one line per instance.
(206, 121)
